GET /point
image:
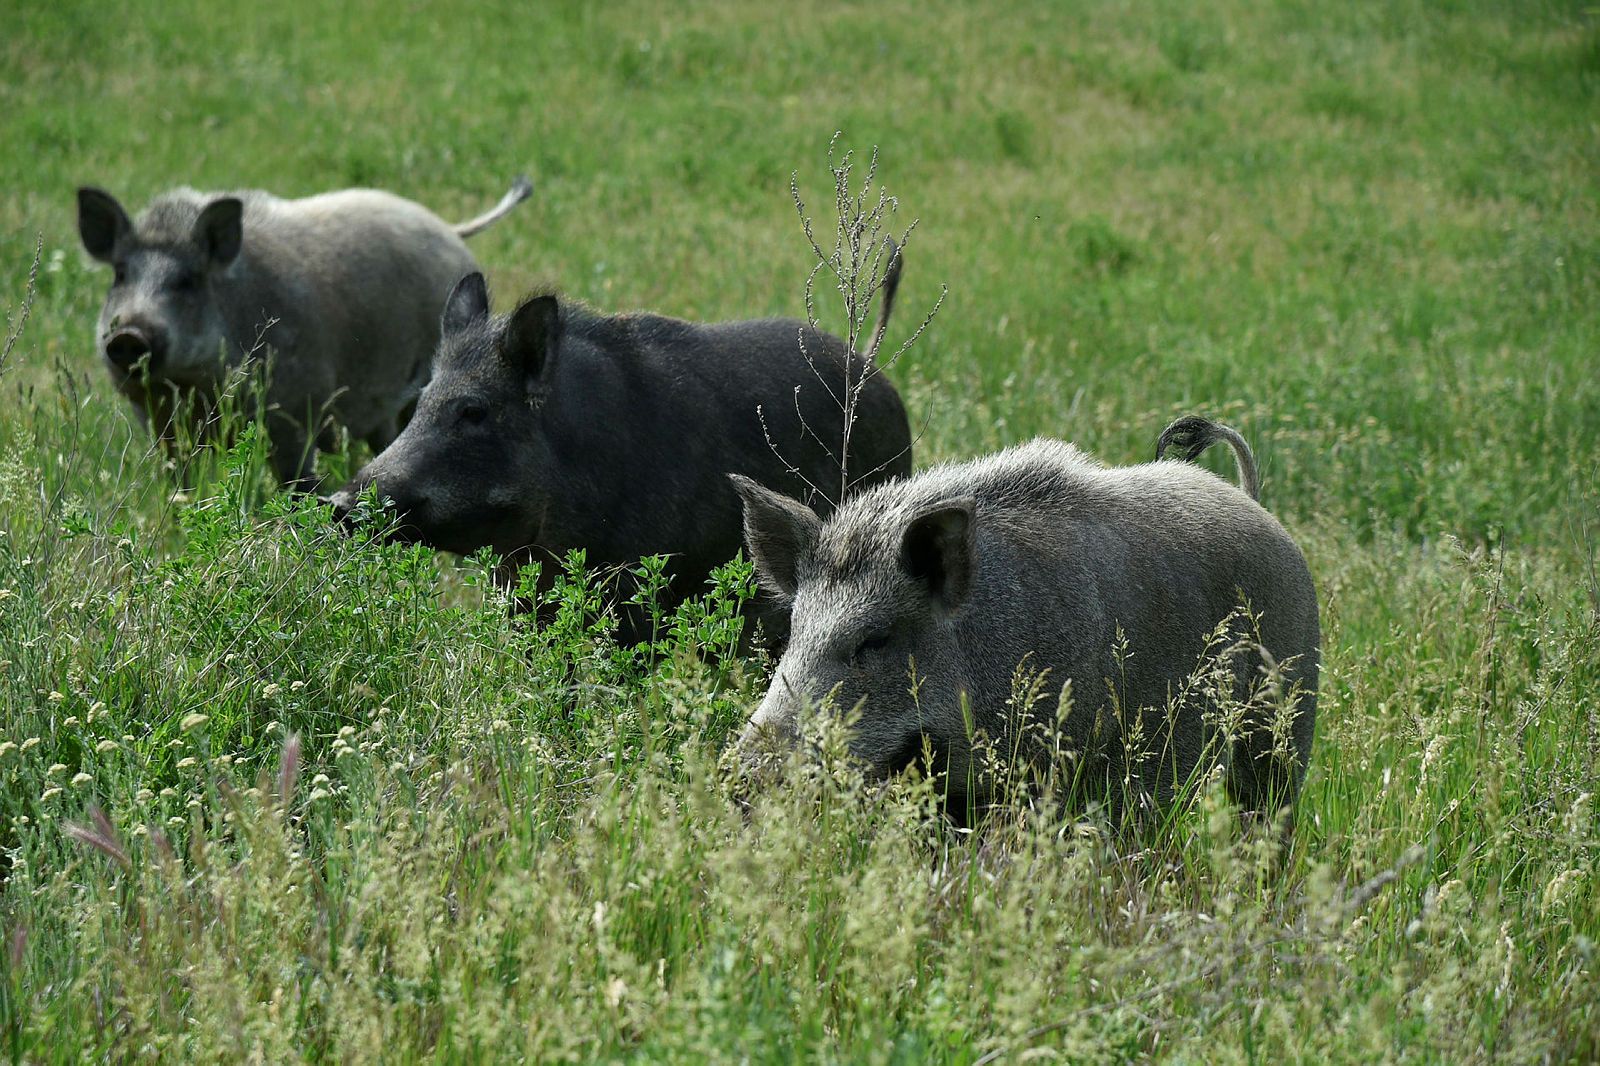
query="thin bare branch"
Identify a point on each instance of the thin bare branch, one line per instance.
(805, 427)
(15, 324)
(789, 467)
(916, 439)
(864, 265)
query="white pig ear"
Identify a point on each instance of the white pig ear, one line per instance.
(101, 222)
(467, 303)
(938, 550)
(778, 531)
(219, 231)
(531, 331)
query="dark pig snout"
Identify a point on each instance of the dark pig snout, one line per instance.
(400, 509)
(129, 344)
(343, 504)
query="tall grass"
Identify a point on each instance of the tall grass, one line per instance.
(1364, 234)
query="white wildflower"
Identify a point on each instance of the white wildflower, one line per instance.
(1429, 755)
(1560, 887)
(1576, 820)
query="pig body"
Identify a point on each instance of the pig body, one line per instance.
(1112, 579)
(555, 428)
(339, 294)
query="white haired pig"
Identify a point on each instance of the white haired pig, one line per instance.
(1111, 578)
(342, 293)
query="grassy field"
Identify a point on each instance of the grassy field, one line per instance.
(1366, 234)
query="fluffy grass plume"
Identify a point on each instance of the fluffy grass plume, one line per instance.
(270, 793)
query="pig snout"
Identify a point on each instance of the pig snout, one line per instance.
(399, 509)
(774, 729)
(343, 505)
(346, 504)
(128, 344)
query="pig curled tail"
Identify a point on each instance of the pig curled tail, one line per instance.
(1194, 435)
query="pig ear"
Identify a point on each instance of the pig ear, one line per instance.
(937, 549)
(778, 531)
(531, 332)
(101, 222)
(467, 303)
(219, 231)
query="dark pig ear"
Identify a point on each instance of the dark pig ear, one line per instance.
(778, 531)
(219, 231)
(531, 331)
(937, 549)
(467, 303)
(101, 222)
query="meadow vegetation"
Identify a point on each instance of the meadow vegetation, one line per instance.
(272, 793)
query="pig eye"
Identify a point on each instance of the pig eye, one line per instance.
(119, 273)
(875, 642)
(185, 282)
(473, 413)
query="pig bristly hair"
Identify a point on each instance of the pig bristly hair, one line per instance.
(1012, 488)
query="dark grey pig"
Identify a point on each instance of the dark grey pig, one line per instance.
(340, 292)
(1112, 579)
(555, 428)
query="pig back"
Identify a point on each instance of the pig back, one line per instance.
(1116, 579)
(363, 276)
(651, 414)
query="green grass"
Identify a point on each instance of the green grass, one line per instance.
(1365, 234)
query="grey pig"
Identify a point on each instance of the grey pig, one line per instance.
(1041, 556)
(555, 428)
(342, 291)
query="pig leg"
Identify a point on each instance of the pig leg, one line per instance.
(177, 441)
(294, 457)
(1268, 757)
(156, 411)
(1263, 778)
(508, 574)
